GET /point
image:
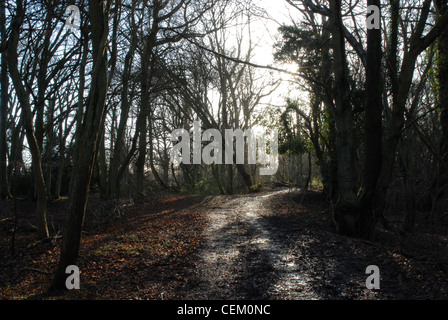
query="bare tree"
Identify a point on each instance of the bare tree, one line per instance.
(87, 141)
(41, 210)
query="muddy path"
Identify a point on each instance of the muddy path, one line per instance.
(250, 251)
(278, 244)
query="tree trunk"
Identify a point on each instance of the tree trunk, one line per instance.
(346, 214)
(102, 166)
(42, 82)
(373, 128)
(41, 208)
(308, 176)
(87, 145)
(84, 48)
(48, 151)
(140, 162)
(61, 163)
(217, 177)
(226, 169)
(393, 129)
(407, 160)
(4, 99)
(146, 62)
(16, 155)
(160, 181)
(123, 167)
(442, 77)
(118, 153)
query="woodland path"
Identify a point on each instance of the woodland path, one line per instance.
(250, 252)
(279, 244)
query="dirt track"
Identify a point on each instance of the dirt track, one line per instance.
(251, 253)
(270, 245)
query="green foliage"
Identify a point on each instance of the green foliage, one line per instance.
(291, 139)
(316, 184)
(294, 145)
(299, 45)
(255, 187)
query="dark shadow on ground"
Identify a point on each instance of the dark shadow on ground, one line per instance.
(333, 265)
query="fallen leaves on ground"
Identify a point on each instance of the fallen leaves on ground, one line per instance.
(137, 256)
(147, 250)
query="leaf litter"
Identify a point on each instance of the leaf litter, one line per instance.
(277, 244)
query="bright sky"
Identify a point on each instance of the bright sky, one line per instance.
(266, 31)
(279, 10)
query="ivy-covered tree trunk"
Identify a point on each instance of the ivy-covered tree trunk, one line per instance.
(346, 214)
(353, 213)
(401, 85)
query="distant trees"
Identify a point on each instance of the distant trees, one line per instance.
(223, 94)
(310, 49)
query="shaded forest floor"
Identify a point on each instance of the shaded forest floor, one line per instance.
(277, 244)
